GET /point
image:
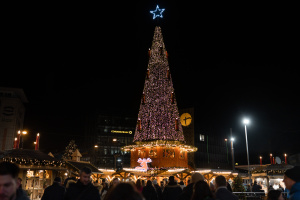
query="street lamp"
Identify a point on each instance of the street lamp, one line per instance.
(246, 121)
(232, 153)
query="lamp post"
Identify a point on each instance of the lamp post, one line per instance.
(227, 150)
(232, 153)
(232, 150)
(246, 121)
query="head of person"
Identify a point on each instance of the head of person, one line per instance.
(57, 180)
(197, 177)
(138, 183)
(149, 183)
(291, 176)
(201, 190)
(115, 181)
(171, 179)
(154, 182)
(85, 175)
(123, 191)
(275, 195)
(8, 180)
(220, 181)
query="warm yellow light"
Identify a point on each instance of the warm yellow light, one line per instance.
(24, 132)
(114, 140)
(285, 155)
(16, 139)
(271, 155)
(96, 146)
(34, 142)
(38, 134)
(225, 139)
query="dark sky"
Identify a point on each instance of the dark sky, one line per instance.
(226, 60)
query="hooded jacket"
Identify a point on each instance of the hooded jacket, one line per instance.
(295, 191)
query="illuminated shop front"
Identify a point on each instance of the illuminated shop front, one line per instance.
(37, 169)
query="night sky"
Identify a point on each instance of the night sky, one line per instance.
(229, 61)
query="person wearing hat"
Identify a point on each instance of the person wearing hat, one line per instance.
(292, 182)
(55, 191)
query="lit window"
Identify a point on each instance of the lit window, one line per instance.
(201, 137)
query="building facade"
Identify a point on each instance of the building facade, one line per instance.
(213, 152)
(12, 111)
(105, 134)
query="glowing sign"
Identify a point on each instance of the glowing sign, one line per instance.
(157, 12)
(143, 164)
(115, 131)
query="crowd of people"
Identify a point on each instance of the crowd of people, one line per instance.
(84, 189)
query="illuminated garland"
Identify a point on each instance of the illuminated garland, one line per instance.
(35, 162)
(158, 117)
(160, 143)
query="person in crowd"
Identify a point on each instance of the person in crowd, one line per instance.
(162, 185)
(114, 182)
(149, 191)
(292, 182)
(72, 179)
(228, 186)
(188, 190)
(181, 183)
(158, 189)
(20, 190)
(55, 191)
(172, 190)
(143, 183)
(20, 182)
(83, 189)
(201, 191)
(69, 182)
(9, 183)
(222, 193)
(124, 191)
(256, 187)
(275, 195)
(138, 185)
(104, 190)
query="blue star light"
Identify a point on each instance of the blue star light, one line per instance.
(157, 12)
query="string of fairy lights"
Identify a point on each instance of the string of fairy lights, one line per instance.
(35, 162)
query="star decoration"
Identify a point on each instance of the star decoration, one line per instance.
(157, 12)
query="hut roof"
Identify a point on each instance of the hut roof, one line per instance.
(78, 165)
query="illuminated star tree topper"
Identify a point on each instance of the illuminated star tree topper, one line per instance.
(157, 12)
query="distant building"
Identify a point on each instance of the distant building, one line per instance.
(105, 134)
(12, 111)
(213, 151)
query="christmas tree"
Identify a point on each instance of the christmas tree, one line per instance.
(158, 133)
(158, 117)
(70, 149)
